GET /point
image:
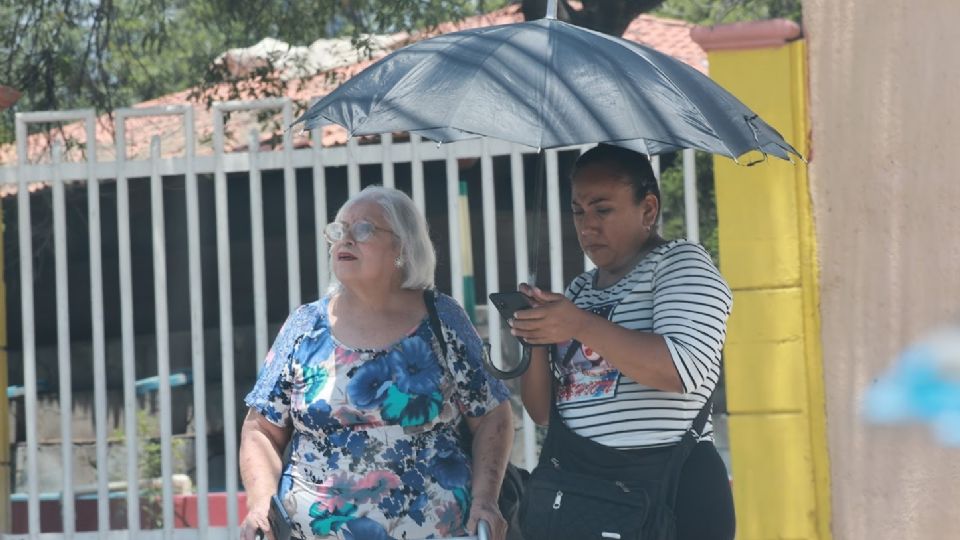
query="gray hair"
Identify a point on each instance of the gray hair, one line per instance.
(406, 221)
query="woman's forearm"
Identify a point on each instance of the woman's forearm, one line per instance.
(535, 388)
(260, 459)
(492, 443)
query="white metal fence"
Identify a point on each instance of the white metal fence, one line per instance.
(317, 159)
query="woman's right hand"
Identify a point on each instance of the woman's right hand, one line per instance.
(256, 520)
(532, 293)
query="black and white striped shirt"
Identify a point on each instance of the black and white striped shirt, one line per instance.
(678, 293)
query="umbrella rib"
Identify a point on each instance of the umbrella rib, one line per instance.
(543, 101)
(619, 43)
(411, 71)
(456, 109)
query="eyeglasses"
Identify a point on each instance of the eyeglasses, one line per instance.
(360, 231)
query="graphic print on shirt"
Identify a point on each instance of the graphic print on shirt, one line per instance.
(585, 375)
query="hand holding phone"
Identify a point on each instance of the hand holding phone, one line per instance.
(508, 303)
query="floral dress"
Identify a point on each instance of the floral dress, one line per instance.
(375, 452)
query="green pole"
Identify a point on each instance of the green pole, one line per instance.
(466, 255)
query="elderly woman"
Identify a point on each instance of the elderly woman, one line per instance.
(640, 340)
(357, 383)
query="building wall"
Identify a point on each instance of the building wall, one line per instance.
(884, 81)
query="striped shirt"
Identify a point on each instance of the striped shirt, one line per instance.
(674, 291)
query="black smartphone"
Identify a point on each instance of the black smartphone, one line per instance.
(508, 303)
(279, 520)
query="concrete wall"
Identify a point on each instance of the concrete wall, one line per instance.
(884, 88)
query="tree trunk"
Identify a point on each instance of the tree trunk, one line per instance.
(608, 16)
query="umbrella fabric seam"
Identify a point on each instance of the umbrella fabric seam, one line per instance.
(409, 72)
(619, 42)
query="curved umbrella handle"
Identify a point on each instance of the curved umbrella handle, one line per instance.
(509, 374)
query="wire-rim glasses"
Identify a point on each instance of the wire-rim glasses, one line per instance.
(360, 231)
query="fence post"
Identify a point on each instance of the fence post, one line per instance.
(4, 410)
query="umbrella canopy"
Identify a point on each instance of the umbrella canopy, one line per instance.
(546, 84)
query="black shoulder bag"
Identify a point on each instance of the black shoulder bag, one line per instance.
(511, 490)
(582, 489)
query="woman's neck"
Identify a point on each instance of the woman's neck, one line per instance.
(374, 300)
(610, 275)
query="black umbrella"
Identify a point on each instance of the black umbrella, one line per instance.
(546, 84)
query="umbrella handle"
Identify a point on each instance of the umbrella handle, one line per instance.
(508, 374)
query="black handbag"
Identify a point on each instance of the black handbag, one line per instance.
(582, 490)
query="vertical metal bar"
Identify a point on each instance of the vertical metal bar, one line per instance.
(226, 325)
(162, 317)
(196, 329)
(259, 256)
(290, 207)
(126, 335)
(68, 501)
(386, 147)
(587, 263)
(416, 173)
(453, 216)
(553, 222)
(490, 249)
(25, 233)
(518, 183)
(97, 327)
(655, 164)
(353, 168)
(690, 204)
(320, 212)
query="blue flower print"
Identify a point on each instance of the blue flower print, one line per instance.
(415, 367)
(413, 480)
(368, 387)
(416, 509)
(410, 410)
(272, 413)
(339, 438)
(365, 529)
(317, 416)
(448, 466)
(314, 344)
(397, 455)
(357, 443)
(392, 505)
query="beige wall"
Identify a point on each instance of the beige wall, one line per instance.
(885, 115)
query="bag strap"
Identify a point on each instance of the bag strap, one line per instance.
(430, 300)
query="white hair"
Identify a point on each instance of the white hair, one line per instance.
(403, 218)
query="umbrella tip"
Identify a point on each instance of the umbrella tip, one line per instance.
(551, 9)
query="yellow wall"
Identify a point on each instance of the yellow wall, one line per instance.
(774, 373)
